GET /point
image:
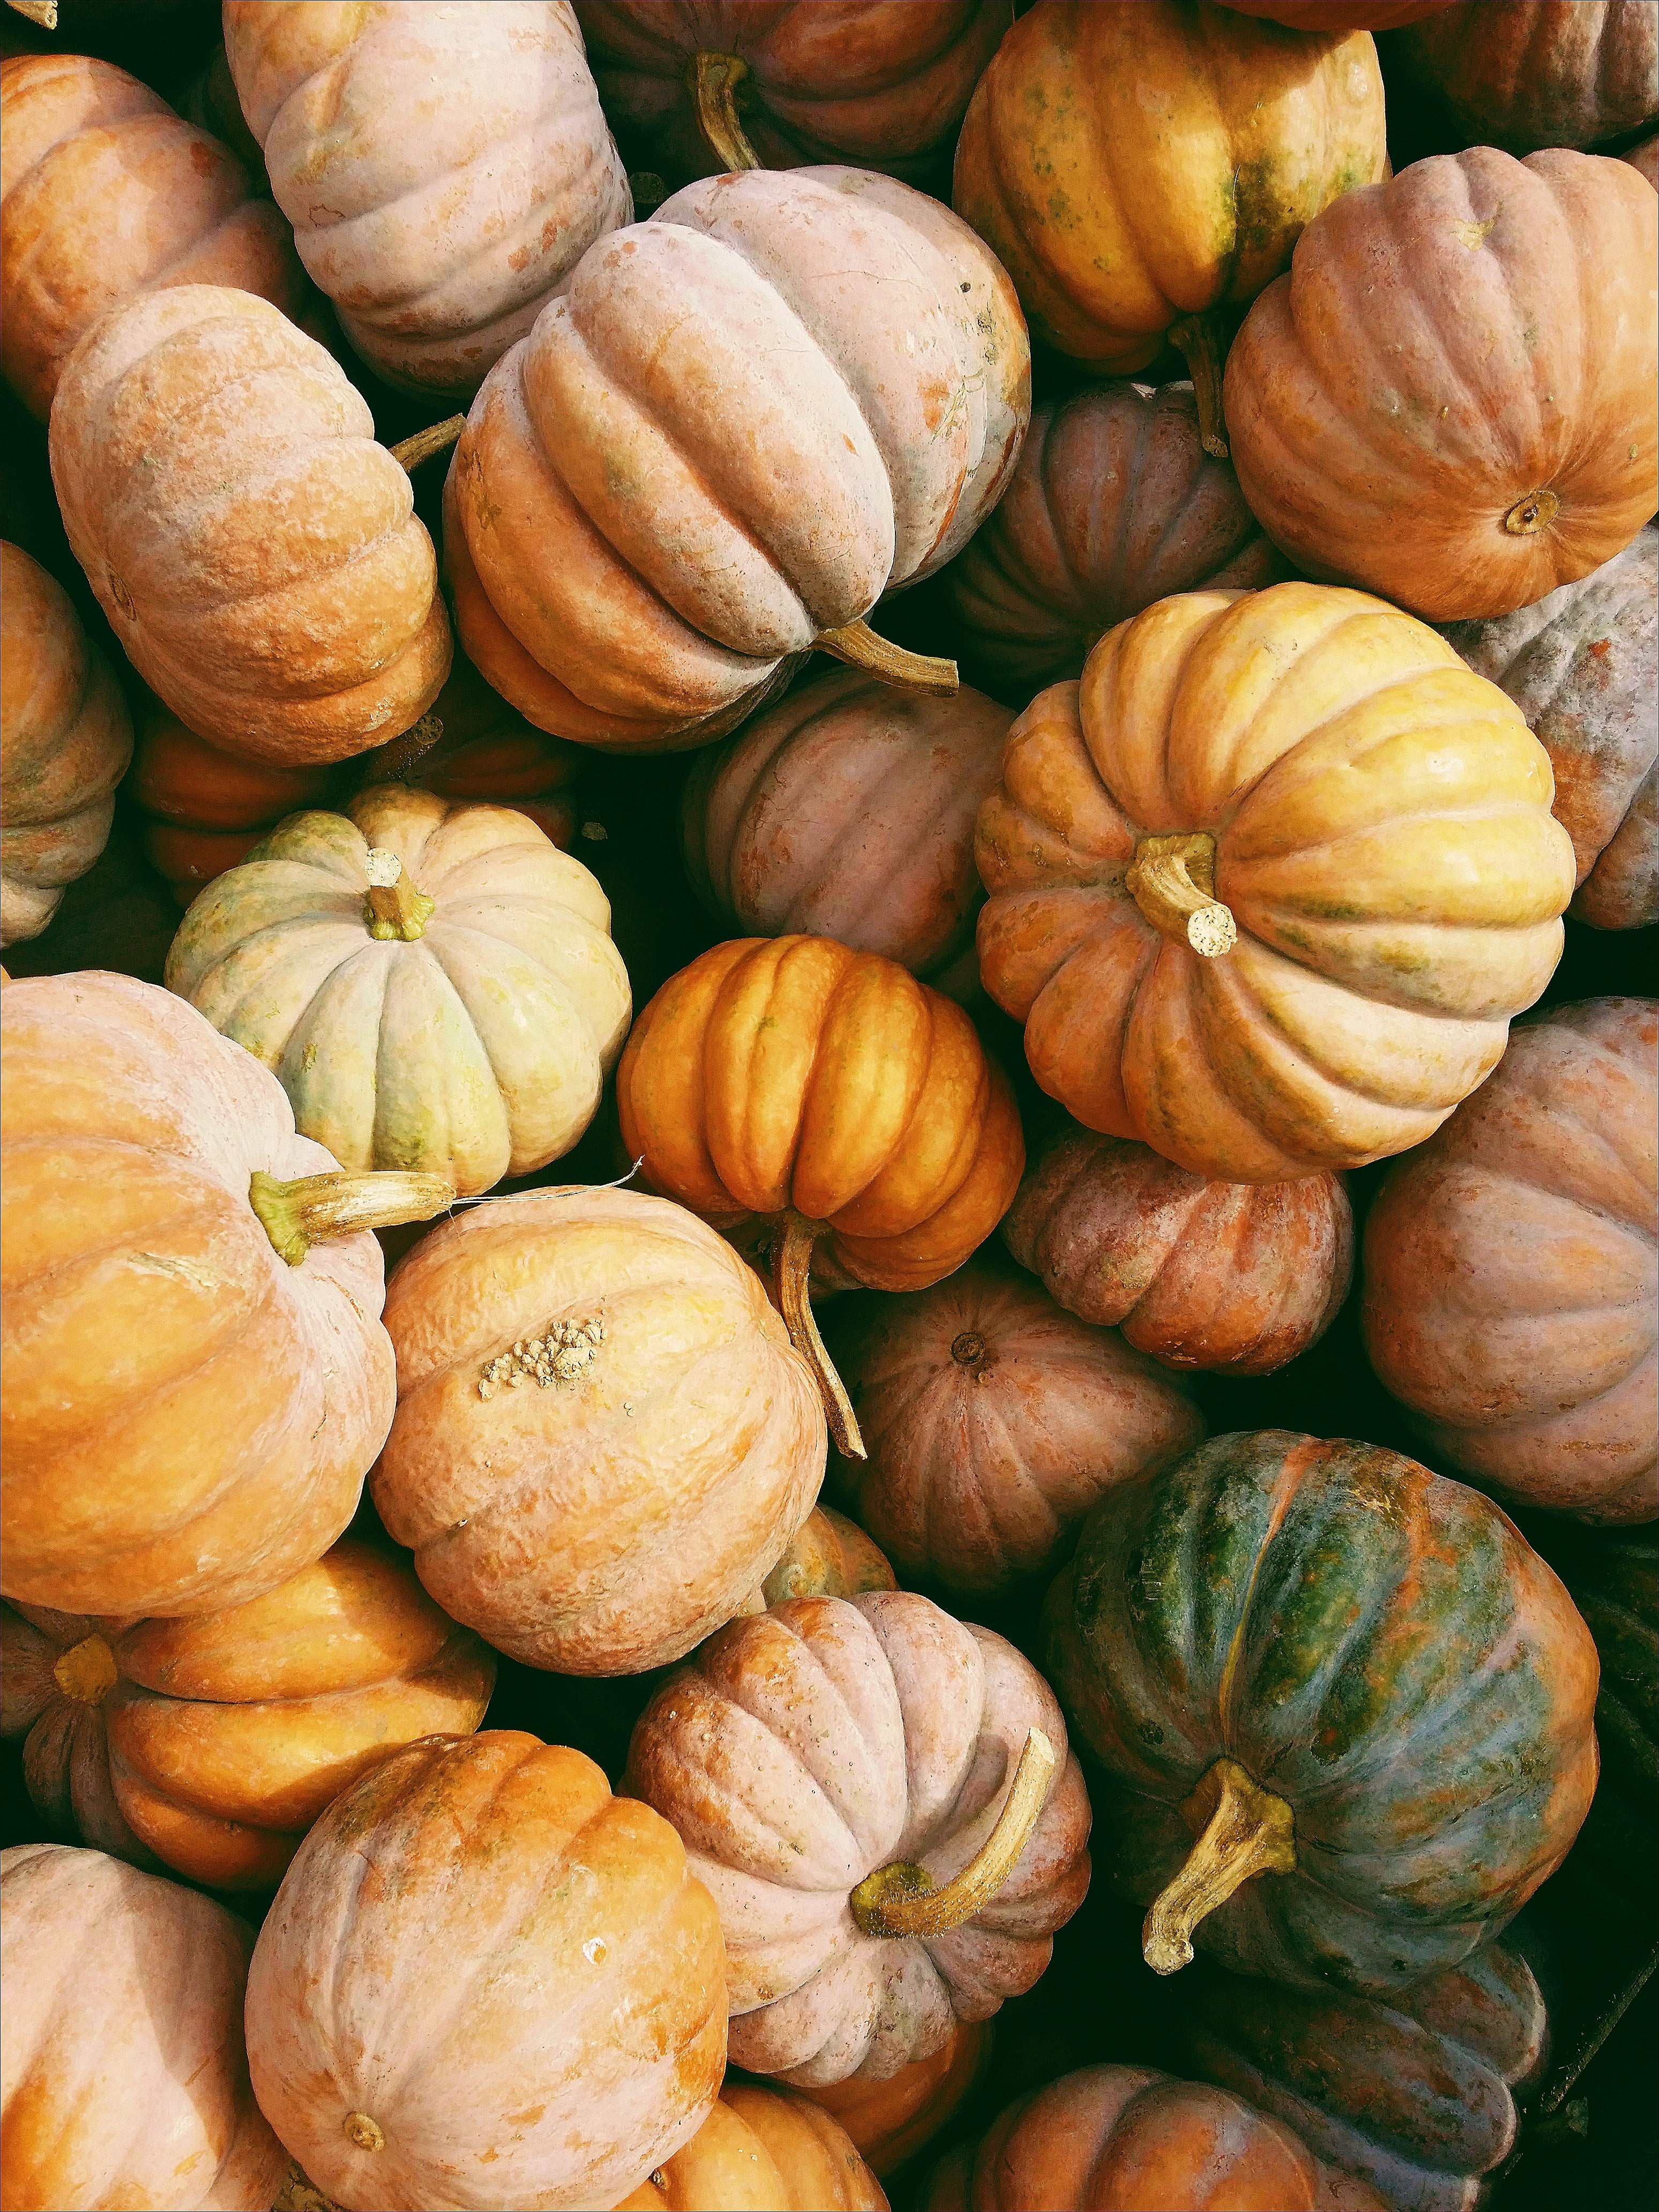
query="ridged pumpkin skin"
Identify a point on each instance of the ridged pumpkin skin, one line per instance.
(737, 425)
(65, 739)
(581, 2035)
(1381, 835)
(1114, 503)
(1238, 1277)
(1530, 73)
(106, 193)
(1374, 1645)
(995, 1420)
(762, 2150)
(1433, 406)
(1181, 149)
(1510, 1270)
(256, 552)
(1583, 666)
(210, 1746)
(124, 2080)
(892, 2119)
(807, 1746)
(828, 1556)
(443, 169)
(607, 1522)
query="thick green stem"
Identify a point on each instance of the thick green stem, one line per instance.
(713, 80)
(1246, 1831)
(1199, 337)
(901, 1899)
(790, 1276)
(299, 1214)
(857, 644)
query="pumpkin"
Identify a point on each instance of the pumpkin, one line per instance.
(609, 1518)
(443, 170)
(1510, 1270)
(125, 2081)
(208, 99)
(1530, 73)
(1267, 886)
(212, 1745)
(256, 552)
(581, 2033)
(107, 194)
(892, 2119)
(1346, 1709)
(1181, 149)
(1583, 666)
(1644, 159)
(826, 1099)
(847, 811)
(65, 740)
(1432, 405)
(828, 1556)
(994, 1420)
(116, 916)
(189, 1301)
(1235, 1277)
(1114, 503)
(736, 427)
(761, 2147)
(1338, 15)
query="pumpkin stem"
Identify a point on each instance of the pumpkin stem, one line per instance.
(1246, 1830)
(43, 12)
(1198, 337)
(713, 80)
(393, 908)
(1173, 882)
(87, 1671)
(411, 452)
(299, 1214)
(901, 1899)
(857, 644)
(791, 1270)
(392, 761)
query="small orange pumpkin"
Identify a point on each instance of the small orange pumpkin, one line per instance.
(891, 2120)
(828, 1556)
(763, 2150)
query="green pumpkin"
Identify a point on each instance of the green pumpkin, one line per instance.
(1346, 1708)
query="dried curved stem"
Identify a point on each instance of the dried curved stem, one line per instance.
(901, 1899)
(713, 80)
(1247, 1832)
(1172, 881)
(409, 452)
(43, 12)
(1199, 337)
(857, 644)
(791, 1278)
(297, 1215)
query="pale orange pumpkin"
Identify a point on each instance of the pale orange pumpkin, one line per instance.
(891, 2120)
(763, 2150)
(828, 1556)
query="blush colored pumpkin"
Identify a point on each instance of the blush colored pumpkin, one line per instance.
(994, 1420)
(190, 1301)
(881, 1802)
(65, 740)
(210, 1746)
(444, 169)
(736, 427)
(891, 2120)
(1432, 405)
(581, 2033)
(847, 811)
(1523, 74)
(1583, 666)
(256, 553)
(124, 2077)
(1346, 1710)
(1114, 503)
(762, 2150)
(828, 1556)
(1235, 1277)
(1266, 888)
(1511, 1272)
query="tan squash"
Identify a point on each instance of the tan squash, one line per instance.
(763, 2150)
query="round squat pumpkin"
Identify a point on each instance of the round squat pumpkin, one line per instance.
(193, 1303)
(1235, 1277)
(65, 739)
(256, 552)
(828, 1556)
(580, 2034)
(210, 1746)
(1346, 1710)
(1583, 666)
(764, 2149)
(1523, 74)
(107, 193)
(1510, 1270)
(1267, 887)
(1432, 405)
(994, 1420)
(125, 2076)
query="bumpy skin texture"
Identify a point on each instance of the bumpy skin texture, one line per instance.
(1510, 1270)
(444, 168)
(806, 1748)
(581, 2032)
(1432, 365)
(105, 193)
(65, 740)
(1182, 149)
(1524, 74)
(737, 425)
(994, 1421)
(1382, 840)
(1114, 503)
(764, 2149)
(1238, 1277)
(123, 2079)
(1375, 1644)
(606, 1525)
(149, 1325)
(257, 555)
(1583, 666)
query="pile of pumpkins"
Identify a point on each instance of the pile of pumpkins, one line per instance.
(997, 1120)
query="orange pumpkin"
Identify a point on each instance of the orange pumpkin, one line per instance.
(828, 1556)
(1338, 15)
(1523, 74)
(891, 2120)
(762, 2150)
(1644, 159)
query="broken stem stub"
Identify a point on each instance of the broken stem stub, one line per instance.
(901, 1899)
(713, 80)
(1172, 881)
(394, 907)
(791, 1280)
(857, 644)
(1245, 1831)
(297, 1215)
(409, 452)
